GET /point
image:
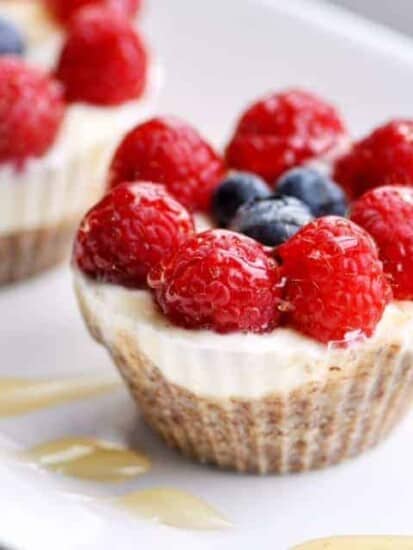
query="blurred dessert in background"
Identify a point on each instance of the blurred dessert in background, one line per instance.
(54, 153)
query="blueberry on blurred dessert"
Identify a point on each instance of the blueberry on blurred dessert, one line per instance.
(11, 39)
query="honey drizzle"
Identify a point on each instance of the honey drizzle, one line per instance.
(96, 460)
(90, 459)
(359, 543)
(21, 396)
(174, 508)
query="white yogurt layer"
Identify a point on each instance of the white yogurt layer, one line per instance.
(55, 187)
(236, 364)
(42, 36)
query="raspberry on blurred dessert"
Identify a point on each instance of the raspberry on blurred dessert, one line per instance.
(42, 24)
(110, 80)
(103, 60)
(32, 109)
(64, 10)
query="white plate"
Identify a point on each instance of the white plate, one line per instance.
(219, 54)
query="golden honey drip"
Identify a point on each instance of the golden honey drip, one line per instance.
(20, 396)
(359, 543)
(90, 459)
(173, 507)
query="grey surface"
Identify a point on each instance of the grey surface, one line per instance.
(394, 13)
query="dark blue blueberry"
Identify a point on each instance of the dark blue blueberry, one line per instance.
(321, 194)
(11, 40)
(271, 221)
(237, 189)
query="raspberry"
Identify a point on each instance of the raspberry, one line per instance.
(385, 157)
(335, 281)
(103, 61)
(283, 130)
(31, 111)
(387, 214)
(63, 10)
(219, 280)
(168, 151)
(128, 232)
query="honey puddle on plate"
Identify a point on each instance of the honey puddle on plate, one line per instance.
(20, 396)
(173, 507)
(90, 459)
(97, 460)
(359, 543)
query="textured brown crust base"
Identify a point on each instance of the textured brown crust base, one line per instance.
(27, 253)
(314, 426)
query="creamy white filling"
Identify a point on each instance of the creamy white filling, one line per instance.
(237, 364)
(55, 186)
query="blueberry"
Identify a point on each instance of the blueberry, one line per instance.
(322, 195)
(11, 40)
(271, 221)
(237, 189)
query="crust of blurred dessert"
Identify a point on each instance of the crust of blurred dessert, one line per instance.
(24, 254)
(315, 425)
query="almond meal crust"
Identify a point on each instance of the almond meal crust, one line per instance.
(316, 425)
(24, 254)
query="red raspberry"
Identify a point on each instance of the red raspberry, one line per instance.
(169, 151)
(283, 130)
(31, 111)
(128, 232)
(385, 157)
(335, 280)
(63, 10)
(103, 60)
(387, 214)
(219, 280)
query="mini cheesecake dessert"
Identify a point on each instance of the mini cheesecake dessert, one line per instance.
(277, 342)
(39, 203)
(58, 134)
